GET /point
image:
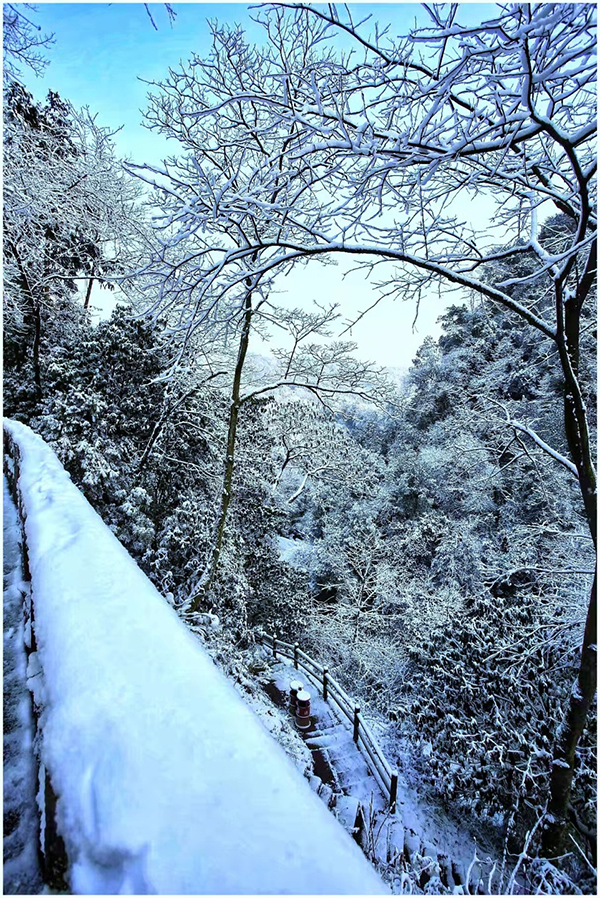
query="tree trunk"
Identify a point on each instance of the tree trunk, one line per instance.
(88, 293)
(234, 410)
(36, 317)
(584, 687)
(37, 339)
(569, 733)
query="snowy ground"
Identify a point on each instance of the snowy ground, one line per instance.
(166, 781)
(21, 868)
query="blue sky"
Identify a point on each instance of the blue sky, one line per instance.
(101, 51)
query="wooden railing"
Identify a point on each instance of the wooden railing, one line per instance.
(386, 777)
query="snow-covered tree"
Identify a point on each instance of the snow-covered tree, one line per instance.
(69, 214)
(380, 151)
(491, 547)
(215, 156)
(22, 42)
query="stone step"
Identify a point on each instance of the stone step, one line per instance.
(412, 842)
(334, 744)
(458, 872)
(394, 840)
(326, 794)
(446, 874)
(348, 810)
(353, 786)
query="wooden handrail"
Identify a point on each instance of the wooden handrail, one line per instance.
(316, 667)
(331, 690)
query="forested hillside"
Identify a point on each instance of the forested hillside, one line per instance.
(432, 542)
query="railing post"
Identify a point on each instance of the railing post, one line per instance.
(356, 723)
(296, 655)
(325, 673)
(394, 791)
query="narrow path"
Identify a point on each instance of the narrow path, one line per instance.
(419, 841)
(340, 775)
(22, 874)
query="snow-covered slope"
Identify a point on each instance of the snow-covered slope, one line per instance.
(166, 782)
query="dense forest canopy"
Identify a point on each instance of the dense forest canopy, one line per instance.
(433, 542)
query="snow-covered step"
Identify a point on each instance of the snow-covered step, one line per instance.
(394, 839)
(326, 794)
(349, 812)
(412, 842)
(335, 738)
(325, 717)
(341, 750)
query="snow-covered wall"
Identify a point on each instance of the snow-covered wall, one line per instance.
(166, 781)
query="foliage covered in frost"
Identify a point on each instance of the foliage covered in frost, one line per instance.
(442, 538)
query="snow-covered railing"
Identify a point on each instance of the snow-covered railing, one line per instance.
(331, 691)
(163, 779)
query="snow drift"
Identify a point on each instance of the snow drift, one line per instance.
(166, 781)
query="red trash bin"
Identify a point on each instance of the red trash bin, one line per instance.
(303, 720)
(295, 687)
